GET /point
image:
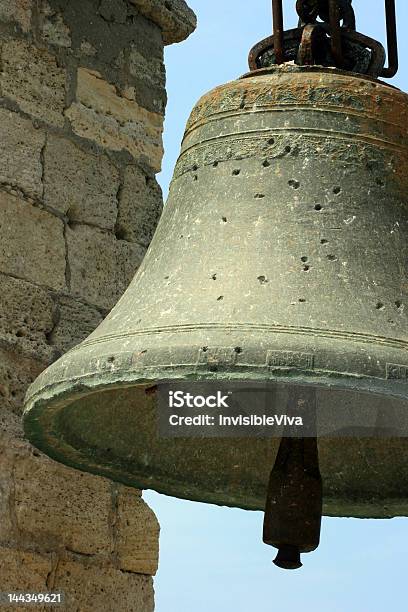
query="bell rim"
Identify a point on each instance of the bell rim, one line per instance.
(59, 396)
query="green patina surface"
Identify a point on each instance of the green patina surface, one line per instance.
(285, 236)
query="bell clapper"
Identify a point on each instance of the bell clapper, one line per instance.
(288, 557)
(293, 509)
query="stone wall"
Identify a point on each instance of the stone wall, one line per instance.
(82, 99)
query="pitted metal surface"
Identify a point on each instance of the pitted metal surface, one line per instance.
(285, 236)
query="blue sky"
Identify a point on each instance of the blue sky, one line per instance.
(213, 559)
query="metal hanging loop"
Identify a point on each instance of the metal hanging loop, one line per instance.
(348, 49)
(308, 10)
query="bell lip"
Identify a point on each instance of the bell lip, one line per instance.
(52, 398)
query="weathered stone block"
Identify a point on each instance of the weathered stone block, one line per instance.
(24, 571)
(20, 153)
(140, 207)
(56, 506)
(115, 122)
(101, 266)
(148, 78)
(82, 185)
(26, 318)
(87, 49)
(8, 532)
(32, 78)
(52, 26)
(75, 322)
(16, 11)
(32, 244)
(10, 442)
(137, 534)
(8, 526)
(61, 510)
(150, 69)
(43, 505)
(174, 17)
(10, 422)
(89, 588)
(113, 10)
(16, 374)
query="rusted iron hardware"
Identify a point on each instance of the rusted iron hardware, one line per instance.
(326, 35)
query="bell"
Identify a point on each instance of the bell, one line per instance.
(281, 256)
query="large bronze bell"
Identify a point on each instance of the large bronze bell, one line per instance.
(281, 255)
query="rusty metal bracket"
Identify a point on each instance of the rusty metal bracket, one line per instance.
(327, 36)
(313, 45)
(392, 40)
(277, 12)
(335, 32)
(302, 46)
